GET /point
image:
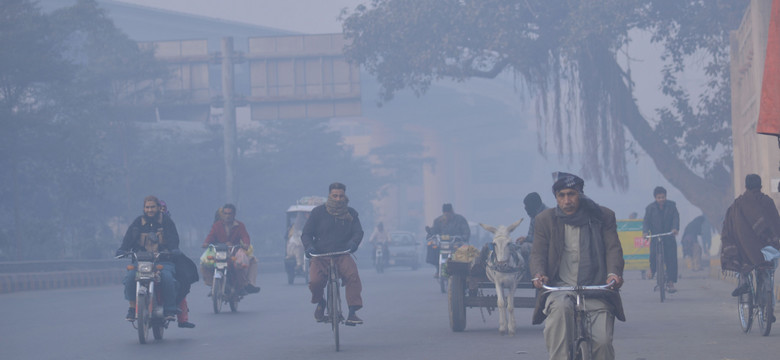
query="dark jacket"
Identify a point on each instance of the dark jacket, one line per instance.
(186, 272)
(659, 221)
(547, 253)
(751, 223)
(325, 233)
(530, 238)
(163, 226)
(454, 224)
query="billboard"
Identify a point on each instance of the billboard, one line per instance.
(302, 76)
(636, 249)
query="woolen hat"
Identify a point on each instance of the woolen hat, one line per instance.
(567, 181)
(752, 181)
(532, 200)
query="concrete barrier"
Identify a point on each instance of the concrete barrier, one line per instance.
(59, 280)
(48, 275)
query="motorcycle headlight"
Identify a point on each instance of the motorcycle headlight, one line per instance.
(221, 256)
(145, 267)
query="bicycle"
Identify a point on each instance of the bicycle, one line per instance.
(580, 347)
(660, 264)
(758, 300)
(334, 315)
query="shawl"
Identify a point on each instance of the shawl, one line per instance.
(338, 208)
(588, 219)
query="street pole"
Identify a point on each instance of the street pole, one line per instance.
(229, 119)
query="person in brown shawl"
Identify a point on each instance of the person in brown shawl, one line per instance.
(752, 222)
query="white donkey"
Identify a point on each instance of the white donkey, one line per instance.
(504, 268)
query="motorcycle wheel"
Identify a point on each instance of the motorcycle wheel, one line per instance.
(443, 281)
(157, 331)
(142, 317)
(233, 302)
(217, 293)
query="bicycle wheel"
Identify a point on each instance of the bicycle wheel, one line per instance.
(581, 347)
(745, 306)
(660, 271)
(334, 310)
(582, 350)
(764, 306)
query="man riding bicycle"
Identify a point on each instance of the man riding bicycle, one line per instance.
(334, 227)
(661, 216)
(576, 243)
(752, 223)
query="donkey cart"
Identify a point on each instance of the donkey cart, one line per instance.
(470, 288)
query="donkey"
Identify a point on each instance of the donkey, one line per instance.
(504, 268)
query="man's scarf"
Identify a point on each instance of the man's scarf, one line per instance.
(588, 218)
(338, 208)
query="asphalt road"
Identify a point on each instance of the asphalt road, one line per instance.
(405, 318)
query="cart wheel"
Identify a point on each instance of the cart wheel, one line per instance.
(456, 295)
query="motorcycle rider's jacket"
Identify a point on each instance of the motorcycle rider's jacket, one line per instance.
(451, 224)
(151, 234)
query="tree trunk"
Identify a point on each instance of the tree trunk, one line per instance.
(711, 198)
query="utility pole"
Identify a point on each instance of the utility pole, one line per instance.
(229, 119)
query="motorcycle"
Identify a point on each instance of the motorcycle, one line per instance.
(379, 258)
(148, 301)
(224, 289)
(447, 245)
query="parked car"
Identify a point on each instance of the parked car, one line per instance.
(403, 249)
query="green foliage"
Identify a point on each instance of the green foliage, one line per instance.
(58, 78)
(564, 53)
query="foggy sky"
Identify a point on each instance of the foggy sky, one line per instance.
(311, 16)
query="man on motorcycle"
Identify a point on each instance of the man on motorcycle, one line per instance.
(379, 239)
(334, 227)
(232, 232)
(152, 232)
(450, 223)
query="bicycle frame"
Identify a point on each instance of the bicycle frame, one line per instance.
(660, 263)
(333, 293)
(580, 346)
(758, 302)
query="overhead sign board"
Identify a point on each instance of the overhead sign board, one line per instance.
(302, 76)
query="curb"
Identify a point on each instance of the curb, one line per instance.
(59, 280)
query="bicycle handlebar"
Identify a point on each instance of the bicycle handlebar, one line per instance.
(580, 288)
(658, 235)
(343, 252)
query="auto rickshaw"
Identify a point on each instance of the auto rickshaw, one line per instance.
(295, 264)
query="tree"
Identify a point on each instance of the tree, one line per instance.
(61, 75)
(566, 55)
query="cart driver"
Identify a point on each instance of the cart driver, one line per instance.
(450, 223)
